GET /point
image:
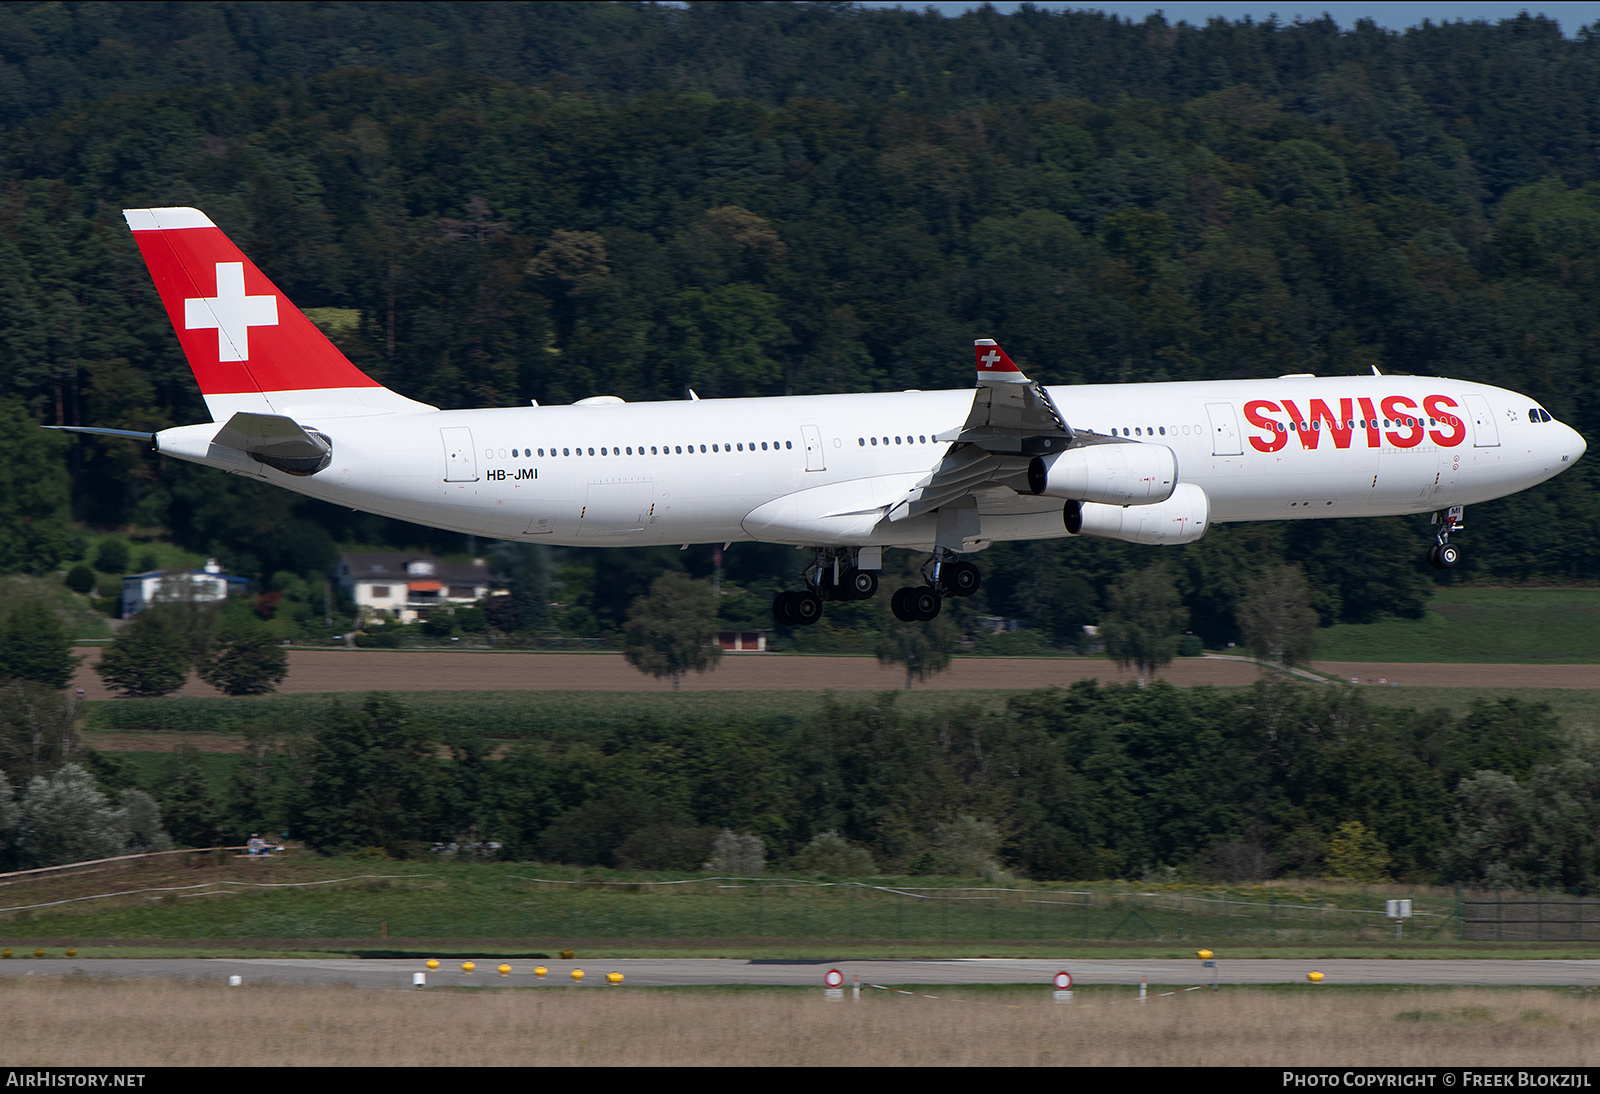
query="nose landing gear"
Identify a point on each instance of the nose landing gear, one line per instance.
(1443, 554)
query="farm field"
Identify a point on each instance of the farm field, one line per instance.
(1555, 626)
(324, 671)
(143, 1024)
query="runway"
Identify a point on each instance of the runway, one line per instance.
(394, 973)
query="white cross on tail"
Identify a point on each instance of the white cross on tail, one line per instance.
(231, 313)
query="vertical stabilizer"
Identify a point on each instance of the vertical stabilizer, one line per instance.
(250, 348)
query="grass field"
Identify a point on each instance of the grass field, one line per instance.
(1560, 626)
(355, 906)
(125, 1024)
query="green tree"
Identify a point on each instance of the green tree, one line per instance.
(924, 649)
(246, 661)
(148, 656)
(1357, 853)
(111, 557)
(372, 780)
(1144, 621)
(143, 822)
(1277, 618)
(525, 569)
(188, 805)
(35, 646)
(10, 820)
(673, 630)
(66, 818)
(34, 535)
(36, 734)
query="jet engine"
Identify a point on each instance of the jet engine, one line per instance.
(1110, 474)
(1182, 518)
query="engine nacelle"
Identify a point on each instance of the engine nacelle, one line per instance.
(1182, 518)
(1111, 474)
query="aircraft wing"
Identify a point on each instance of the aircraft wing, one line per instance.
(1012, 420)
(1010, 414)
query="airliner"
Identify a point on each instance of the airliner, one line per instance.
(943, 473)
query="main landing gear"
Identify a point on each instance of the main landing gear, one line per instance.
(1444, 554)
(833, 576)
(947, 576)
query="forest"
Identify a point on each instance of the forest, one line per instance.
(494, 203)
(1159, 783)
(488, 204)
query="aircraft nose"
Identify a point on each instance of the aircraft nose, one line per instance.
(1579, 445)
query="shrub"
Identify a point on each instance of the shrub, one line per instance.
(831, 855)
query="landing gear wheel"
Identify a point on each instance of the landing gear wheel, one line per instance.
(806, 609)
(924, 601)
(1444, 556)
(902, 611)
(861, 584)
(961, 579)
(783, 609)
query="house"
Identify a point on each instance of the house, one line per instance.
(205, 585)
(742, 641)
(403, 585)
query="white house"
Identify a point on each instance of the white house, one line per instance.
(205, 585)
(404, 584)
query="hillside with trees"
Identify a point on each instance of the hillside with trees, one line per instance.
(489, 204)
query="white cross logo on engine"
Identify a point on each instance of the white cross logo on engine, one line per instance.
(231, 313)
(991, 358)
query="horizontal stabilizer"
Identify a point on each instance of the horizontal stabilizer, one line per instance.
(142, 434)
(278, 442)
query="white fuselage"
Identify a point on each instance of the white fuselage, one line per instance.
(821, 470)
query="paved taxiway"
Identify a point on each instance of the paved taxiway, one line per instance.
(649, 972)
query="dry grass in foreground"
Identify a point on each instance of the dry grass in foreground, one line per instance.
(132, 1024)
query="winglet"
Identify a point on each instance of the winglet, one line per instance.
(994, 367)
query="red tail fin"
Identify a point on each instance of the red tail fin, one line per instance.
(250, 348)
